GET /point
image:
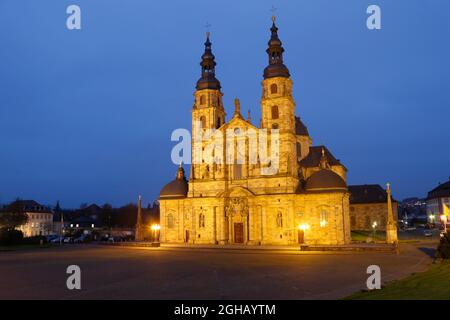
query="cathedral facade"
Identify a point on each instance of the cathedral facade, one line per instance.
(304, 200)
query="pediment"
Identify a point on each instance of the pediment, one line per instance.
(237, 122)
(236, 192)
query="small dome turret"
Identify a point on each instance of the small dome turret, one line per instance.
(177, 188)
(325, 180)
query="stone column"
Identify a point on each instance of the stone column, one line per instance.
(181, 224)
(215, 224)
(246, 230)
(230, 229)
(223, 225)
(263, 225)
(162, 223)
(138, 233)
(193, 232)
(250, 221)
(391, 226)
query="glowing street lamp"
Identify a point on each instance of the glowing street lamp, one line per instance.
(155, 228)
(374, 227)
(303, 226)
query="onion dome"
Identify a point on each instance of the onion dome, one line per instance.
(208, 64)
(177, 188)
(276, 68)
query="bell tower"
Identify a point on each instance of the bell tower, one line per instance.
(208, 107)
(208, 111)
(278, 105)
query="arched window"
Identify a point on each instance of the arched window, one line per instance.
(170, 220)
(323, 218)
(299, 150)
(275, 114)
(202, 99)
(273, 88)
(275, 126)
(203, 122)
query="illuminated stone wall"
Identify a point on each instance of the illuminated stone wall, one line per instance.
(266, 219)
(362, 216)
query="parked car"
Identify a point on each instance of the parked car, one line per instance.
(428, 233)
(51, 237)
(68, 240)
(115, 239)
(81, 239)
(58, 239)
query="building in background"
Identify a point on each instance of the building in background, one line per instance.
(368, 204)
(437, 198)
(40, 218)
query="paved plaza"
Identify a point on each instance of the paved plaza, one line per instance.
(168, 273)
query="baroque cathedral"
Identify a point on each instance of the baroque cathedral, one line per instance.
(305, 201)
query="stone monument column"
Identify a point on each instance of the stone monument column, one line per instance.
(391, 226)
(138, 233)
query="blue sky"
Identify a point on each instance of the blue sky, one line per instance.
(86, 115)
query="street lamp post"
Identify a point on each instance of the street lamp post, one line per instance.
(374, 227)
(155, 228)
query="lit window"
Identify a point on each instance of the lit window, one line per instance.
(323, 218)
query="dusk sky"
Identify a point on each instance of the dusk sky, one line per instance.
(86, 115)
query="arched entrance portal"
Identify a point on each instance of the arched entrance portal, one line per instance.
(237, 214)
(238, 232)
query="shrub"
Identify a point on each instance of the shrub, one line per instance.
(34, 240)
(443, 250)
(10, 237)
